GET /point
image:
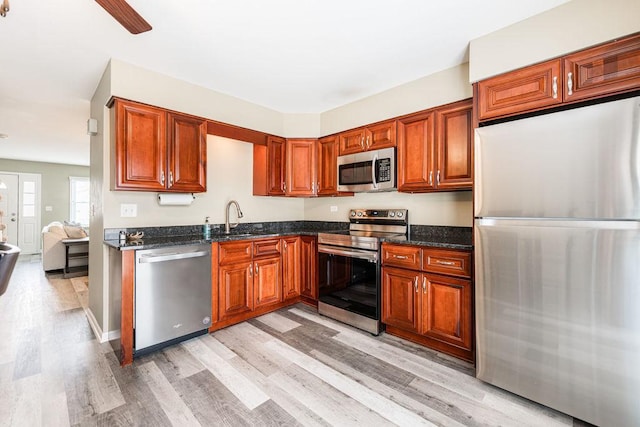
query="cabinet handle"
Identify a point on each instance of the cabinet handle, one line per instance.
(318, 186)
(401, 256)
(250, 270)
(162, 177)
(170, 179)
(438, 178)
(570, 84)
(256, 269)
(445, 262)
(424, 285)
(368, 143)
(313, 187)
(554, 87)
(362, 143)
(430, 178)
(415, 284)
(284, 186)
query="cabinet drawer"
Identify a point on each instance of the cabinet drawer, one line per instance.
(443, 261)
(232, 252)
(266, 247)
(401, 256)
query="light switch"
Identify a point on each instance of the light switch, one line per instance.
(128, 210)
(48, 208)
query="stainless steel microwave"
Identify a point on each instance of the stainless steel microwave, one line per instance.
(368, 171)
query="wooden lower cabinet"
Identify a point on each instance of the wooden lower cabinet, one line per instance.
(235, 290)
(435, 310)
(290, 267)
(309, 269)
(267, 281)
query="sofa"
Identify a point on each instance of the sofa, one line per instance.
(53, 250)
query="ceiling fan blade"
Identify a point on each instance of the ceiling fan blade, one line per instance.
(125, 15)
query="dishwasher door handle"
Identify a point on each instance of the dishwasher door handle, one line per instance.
(148, 258)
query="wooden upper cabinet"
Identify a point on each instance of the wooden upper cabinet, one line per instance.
(435, 149)
(301, 167)
(596, 72)
(327, 166)
(416, 153)
(603, 70)
(158, 150)
(276, 162)
(530, 88)
(454, 136)
(187, 153)
(373, 137)
(140, 155)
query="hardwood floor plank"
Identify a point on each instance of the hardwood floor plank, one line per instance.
(217, 347)
(175, 363)
(335, 407)
(28, 360)
(383, 406)
(239, 385)
(278, 322)
(301, 413)
(26, 407)
(388, 392)
(170, 402)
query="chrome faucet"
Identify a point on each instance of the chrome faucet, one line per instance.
(227, 226)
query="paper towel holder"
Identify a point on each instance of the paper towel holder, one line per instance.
(175, 199)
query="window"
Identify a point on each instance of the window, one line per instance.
(79, 197)
(29, 199)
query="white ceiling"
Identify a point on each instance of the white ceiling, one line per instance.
(294, 56)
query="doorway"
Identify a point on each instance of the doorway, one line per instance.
(20, 210)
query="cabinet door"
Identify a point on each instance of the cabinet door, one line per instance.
(308, 267)
(267, 281)
(352, 141)
(276, 165)
(603, 70)
(382, 135)
(291, 267)
(416, 151)
(187, 144)
(446, 309)
(522, 90)
(301, 167)
(327, 166)
(454, 129)
(400, 298)
(235, 290)
(140, 148)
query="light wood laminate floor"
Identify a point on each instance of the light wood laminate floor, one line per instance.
(292, 367)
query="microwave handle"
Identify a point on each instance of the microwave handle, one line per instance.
(373, 170)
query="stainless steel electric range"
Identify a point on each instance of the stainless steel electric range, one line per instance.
(349, 266)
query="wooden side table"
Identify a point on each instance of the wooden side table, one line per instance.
(76, 257)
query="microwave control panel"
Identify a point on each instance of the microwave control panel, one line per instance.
(384, 170)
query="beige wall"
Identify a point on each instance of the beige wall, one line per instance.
(566, 28)
(55, 185)
(431, 91)
(450, 208)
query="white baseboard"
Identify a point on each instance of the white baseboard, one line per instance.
(95, 326)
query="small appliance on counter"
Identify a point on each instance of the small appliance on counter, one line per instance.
(349, 266)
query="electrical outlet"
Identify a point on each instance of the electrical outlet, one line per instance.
(334, 209)
(128, 210)
(48, 208)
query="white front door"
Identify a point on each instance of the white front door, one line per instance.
(9, 208)
(29, 213)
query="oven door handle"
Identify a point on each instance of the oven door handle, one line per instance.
(371, 256)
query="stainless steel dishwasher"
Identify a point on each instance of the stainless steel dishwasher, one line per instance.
(172, 295)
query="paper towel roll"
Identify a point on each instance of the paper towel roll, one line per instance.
(175, 199)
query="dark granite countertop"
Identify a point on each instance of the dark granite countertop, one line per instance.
(437, 236)
(156, 237)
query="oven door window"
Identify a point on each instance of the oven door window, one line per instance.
(349, 283)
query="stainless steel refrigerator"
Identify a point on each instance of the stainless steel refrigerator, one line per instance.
(557, 260)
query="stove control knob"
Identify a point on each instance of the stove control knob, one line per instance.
(392, 214)
(353, 213)
(359, 213)
(400, 214)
